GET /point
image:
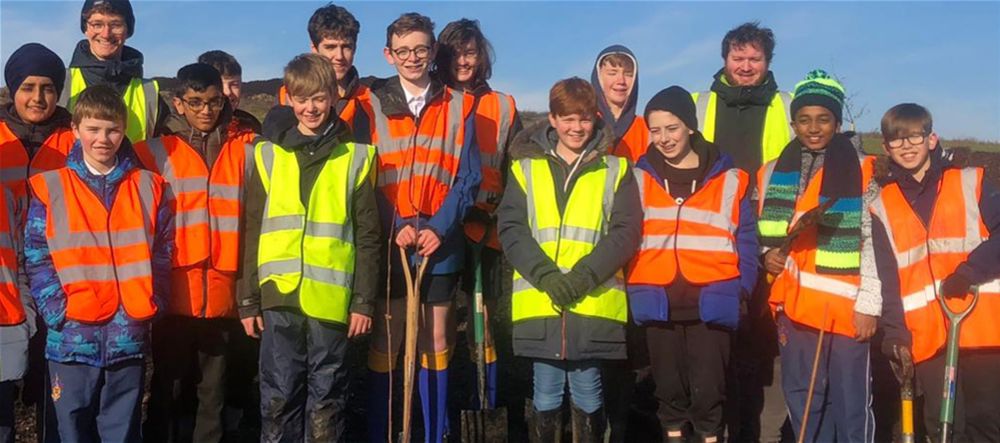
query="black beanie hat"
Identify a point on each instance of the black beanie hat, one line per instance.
(122, 7)
(677, 101)
(34, 59)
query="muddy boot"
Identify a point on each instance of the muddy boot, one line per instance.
(588, 428)
(544, 426)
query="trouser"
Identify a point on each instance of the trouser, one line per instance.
(8, 390)
(977, 395)
(189, 367)
(689, 363)
(94, 404)
(303, 378)
(841, 402)
(550, 378)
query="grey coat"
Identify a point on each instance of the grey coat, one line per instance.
(14, 339)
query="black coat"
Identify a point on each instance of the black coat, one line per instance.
(570, 336)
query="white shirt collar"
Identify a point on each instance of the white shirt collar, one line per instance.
(99, 173)
(416, 102)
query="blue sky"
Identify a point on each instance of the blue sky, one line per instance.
(944, 55)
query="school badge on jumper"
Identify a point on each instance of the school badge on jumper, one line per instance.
(56, 388)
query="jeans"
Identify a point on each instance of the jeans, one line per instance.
(584, 384)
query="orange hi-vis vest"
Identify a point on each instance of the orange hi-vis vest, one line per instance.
(419, 157)
(357, 113)
(635, 141)
(209, 204)
(16, 167)
(11, 309)
(696, 237)
(800, 290)
(103, 256)
(495, 116)
(926, 255)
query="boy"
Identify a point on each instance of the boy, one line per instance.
(569, 221)
(203, 159)
(465, 62)
(98, 244)
(698, 259)
(429, 173)
(934, 237)
(232, 84)
(333, 34)
(311, 252)
(825, 278)
(103, 59)
(616, 79)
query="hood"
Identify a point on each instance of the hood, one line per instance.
(539, 140)
(624, 121)
(114, 73)
(280, 126)
(757, 95)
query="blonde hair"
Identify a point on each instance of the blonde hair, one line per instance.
(308, 74)
(102, 103)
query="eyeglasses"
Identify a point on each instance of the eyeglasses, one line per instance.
(404, 53)
(196, 105)
(116, 27)
(912, 139)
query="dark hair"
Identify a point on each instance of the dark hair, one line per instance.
(100, 102)
(197, 77)
(453, 39)
(573, 95)
(903, 118)
(332, 21)
(749, 33)
(407, 23)
(223, 62)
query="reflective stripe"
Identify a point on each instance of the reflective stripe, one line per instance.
(73, 240)
(328, 230)
(194, 217)
(281, 223)
(919, 299)
(506, 120)
(545, 235)
(225, 192)
(225, 223)
(149, 90)
(640, 180)
(267, 158)
(768, 171)
(381, 125)
(325, 275)
(821, 283)
(970, 184)
(395, 176)
(104, 273)
(729, 188)
(161, 158)
(529, 178)
(690, 242)
(13, 173)
(188, 185)
(279, 267)
(701, 106)
(583, 235)
(7, 275)
(610, 186)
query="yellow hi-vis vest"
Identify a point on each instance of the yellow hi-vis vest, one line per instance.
(777, 122)
(311, 249)
(568, 238)
(141, 100)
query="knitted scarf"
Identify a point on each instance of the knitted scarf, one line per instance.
(838, 240)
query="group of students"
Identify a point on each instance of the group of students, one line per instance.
(132, 227)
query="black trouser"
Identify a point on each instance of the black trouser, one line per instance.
(977, 402)
(189, 367)
(689, 363)
(8, 390)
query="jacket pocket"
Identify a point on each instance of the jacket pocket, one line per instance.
(720, 303)
(603, 331)
(530, 330)
(648, 303)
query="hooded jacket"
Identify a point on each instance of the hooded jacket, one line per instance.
(629, 130)
(280, 127)
(739, 119)
(980, 266)
(582, 338)
(719, 302)
(122, 337)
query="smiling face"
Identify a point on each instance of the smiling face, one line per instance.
(100, 140)
(616, 83)
(573, 130)
(35, 99)
(311, 111)
(913, 157)
(465, 63)
(815, 126)
(201, 109)
(669, 135)
(339, 51)
(746, 65)
(106, 34)
(411, 54)
(231, 85)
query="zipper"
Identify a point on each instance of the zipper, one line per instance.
(208, 262)
(114, 264)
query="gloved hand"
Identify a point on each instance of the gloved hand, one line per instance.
(901, 361)
(558, 288)
(955, 286)
(581, 282)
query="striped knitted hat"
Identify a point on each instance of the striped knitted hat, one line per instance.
(819, 89)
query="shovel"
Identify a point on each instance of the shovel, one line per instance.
(410, 343)
(486, 424)
(951, 362)
(808, 219)
(906, 417)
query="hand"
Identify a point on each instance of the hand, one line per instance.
(427, 242)
(253, 326)
(558, 288)
(901, 362)
(955, 286)
(406, 237)
(360, 324)
(864, 326)
(581, 283)
(774, 261)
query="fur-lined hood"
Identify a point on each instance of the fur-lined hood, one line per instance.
(539, 139)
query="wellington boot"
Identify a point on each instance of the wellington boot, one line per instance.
(588, 428)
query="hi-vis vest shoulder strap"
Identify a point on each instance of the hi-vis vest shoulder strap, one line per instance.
(11, 309)
(16, 167)
(311, 249)
(103, 256)
(571, 236)
(926, 255)
(777, 122)
(495, 114)
(141, 98)
(696, 238)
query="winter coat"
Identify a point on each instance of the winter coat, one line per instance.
(122, 337)
(14, 339)
(739, 119)
(570, 336)
(630, 132)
